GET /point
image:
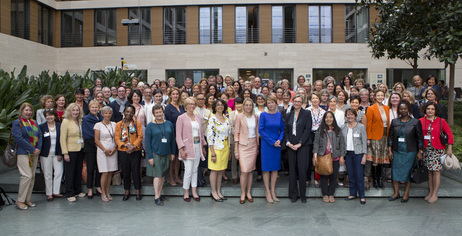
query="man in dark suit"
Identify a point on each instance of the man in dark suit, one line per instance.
(118, 105)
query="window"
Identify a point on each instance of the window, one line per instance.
(139, 34)
(356, 25)
(338, 74)
(72, 29)
(247, 24)
(320, 24)
(405, 75)
(45, 25)
(105, 27)
(175, 25)
(267, 74)
(283, 24)
(196, 75)
(20, 21)
(210, 25)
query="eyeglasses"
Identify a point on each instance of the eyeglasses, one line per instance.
(220, 105)
(192, 104)
(201, 99)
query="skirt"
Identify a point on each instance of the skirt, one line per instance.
(221, 160)
(248, 155)
(160, 168)
(431, 158)
(377, 152)
(402, 165)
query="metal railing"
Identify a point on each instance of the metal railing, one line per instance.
(171, 37)
(249, 35)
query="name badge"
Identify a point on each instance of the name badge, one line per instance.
(356, 135)
(80, 141)
(427, 137)
(46, 134)
(164, 140)
(401, 140)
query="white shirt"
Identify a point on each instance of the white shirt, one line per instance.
(52, 143)
(251, 124)
(350, 146)
(195, 129)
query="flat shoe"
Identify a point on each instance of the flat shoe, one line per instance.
(275, 199)
(197, 199)
(31, 204)
(163, 198)
(325, 199)
(404, 200)
(242, 201)
(90, 196)
(250, 199)
(432, 201)
(188, 199)
(126, 197)
(158, 202)
(25, 207)
(50, 198)
(363, 202)
(138, 197)
(303, 200)
(350, 198)
(58, 196)
(109, 197)
(104, 198)
(393, 198)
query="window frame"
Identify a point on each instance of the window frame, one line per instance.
(106, 26)
(320, 35)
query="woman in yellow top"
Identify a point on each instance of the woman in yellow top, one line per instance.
(71, 141)
(128, 138)
(217, 137)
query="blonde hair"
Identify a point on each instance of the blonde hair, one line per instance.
(230, 87)
(44, 98)
(180, 100)
(23, 106)
(399, 83)
(386, 92)
(93, 102)
(271, 98)
(248, 100)
(411, 95)
(68, 112)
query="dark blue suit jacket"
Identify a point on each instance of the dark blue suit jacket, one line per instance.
(46, 143)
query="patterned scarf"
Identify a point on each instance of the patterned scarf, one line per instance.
(31, 129)
(125, 136)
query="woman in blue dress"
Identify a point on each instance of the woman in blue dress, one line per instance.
(271, 129)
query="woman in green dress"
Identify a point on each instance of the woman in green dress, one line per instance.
(160, 145)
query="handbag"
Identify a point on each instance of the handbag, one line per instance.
(324, 165)
(39, 183)
(451, 163)
(419, 173)
(443, 135)
(116, 179)
(10, 156)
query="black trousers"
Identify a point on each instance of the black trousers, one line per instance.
(309, 171)
(73, 173)
(131, 169)
(92, 167)
(329, 182)
(298, 164)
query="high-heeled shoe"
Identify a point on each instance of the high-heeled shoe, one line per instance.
(216, 200)
(363, 202)
(249, 199)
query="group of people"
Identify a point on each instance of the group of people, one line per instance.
(369, 134)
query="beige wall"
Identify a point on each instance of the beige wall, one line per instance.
(156, 59)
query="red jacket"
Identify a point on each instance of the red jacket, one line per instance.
(435, 132)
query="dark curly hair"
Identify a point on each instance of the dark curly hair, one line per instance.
(214, 106)
(437, 108)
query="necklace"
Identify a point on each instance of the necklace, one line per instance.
(52, 129)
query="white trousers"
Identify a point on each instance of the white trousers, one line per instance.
(190, 168)
(52, 184)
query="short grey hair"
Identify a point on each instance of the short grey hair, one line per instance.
(106, 108)
(364, 90)
(332, 96)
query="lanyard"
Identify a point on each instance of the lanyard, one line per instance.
(109, 130)
(157, 125)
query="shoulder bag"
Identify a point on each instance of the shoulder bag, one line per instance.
(443, 135)
(10, 156)
(324, 165)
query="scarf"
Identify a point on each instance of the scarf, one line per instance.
(31, 129)
(125, 136)
(121, 104)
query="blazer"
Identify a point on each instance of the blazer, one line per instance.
(184, 135)
(375, 125)
(22, 139)
(46, 141)
(135, 138)
(338, 144)
(241, 129)
(303, 131)
(413, 131)
(70, 136)
(232, 122)
(206, 114)
(360, 143)
(435, 132)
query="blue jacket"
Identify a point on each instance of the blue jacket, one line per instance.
(88, 123)
(46, 141)
(22, 139)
